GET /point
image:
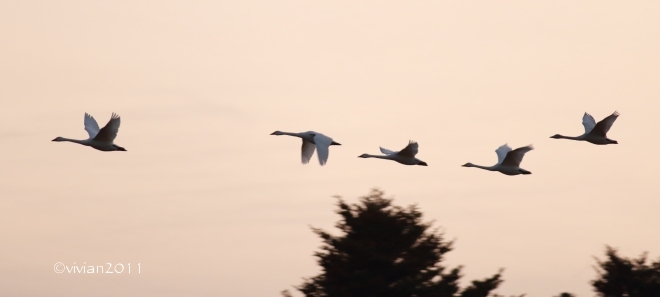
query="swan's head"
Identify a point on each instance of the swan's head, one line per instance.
(422, 163)
(556, 136)
(58, 139)
(468, 165)
(277, 133)
(363, 156)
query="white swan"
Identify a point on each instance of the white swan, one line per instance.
(100, 139)
(595, 133)
(508, 161)
(406, 156)
(312, 140)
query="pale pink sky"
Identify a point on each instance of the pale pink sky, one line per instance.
(211, 205)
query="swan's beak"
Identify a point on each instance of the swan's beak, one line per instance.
(272, 133)
(335, 143)
(121, 149)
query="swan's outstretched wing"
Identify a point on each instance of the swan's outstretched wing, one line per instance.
(410, 150)
(501, 152)
(322, 147)
(109, 132)
(91, 126)
(514, 157)
(386, 151)
(588, 122)
(307, 151)
(603, 126)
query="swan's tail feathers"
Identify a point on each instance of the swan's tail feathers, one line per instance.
(523, 171)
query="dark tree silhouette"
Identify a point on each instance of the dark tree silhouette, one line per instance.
(386, 251)
(623, 277)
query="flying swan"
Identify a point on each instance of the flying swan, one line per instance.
(312, 140)
(406, 156)
(595, 133)
(100, 139)
(508, 161)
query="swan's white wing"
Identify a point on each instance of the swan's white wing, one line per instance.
(322, 147)
(109, 132)
(603, 126)
(588, 122)
(514, 157)
(386, 151)
(307, 151)
(501, 152)
(91, 126)
(410, 150)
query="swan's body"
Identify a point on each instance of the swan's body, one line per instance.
(310, 141)
(508, 161)
(405, 156)
(100, 139)
(595, 133)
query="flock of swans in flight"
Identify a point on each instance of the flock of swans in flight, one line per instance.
(508, 160)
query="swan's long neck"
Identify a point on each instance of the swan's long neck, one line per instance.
(378, 156)
(291, 134)
(581, 137)
(83, 142)
(491, 168)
